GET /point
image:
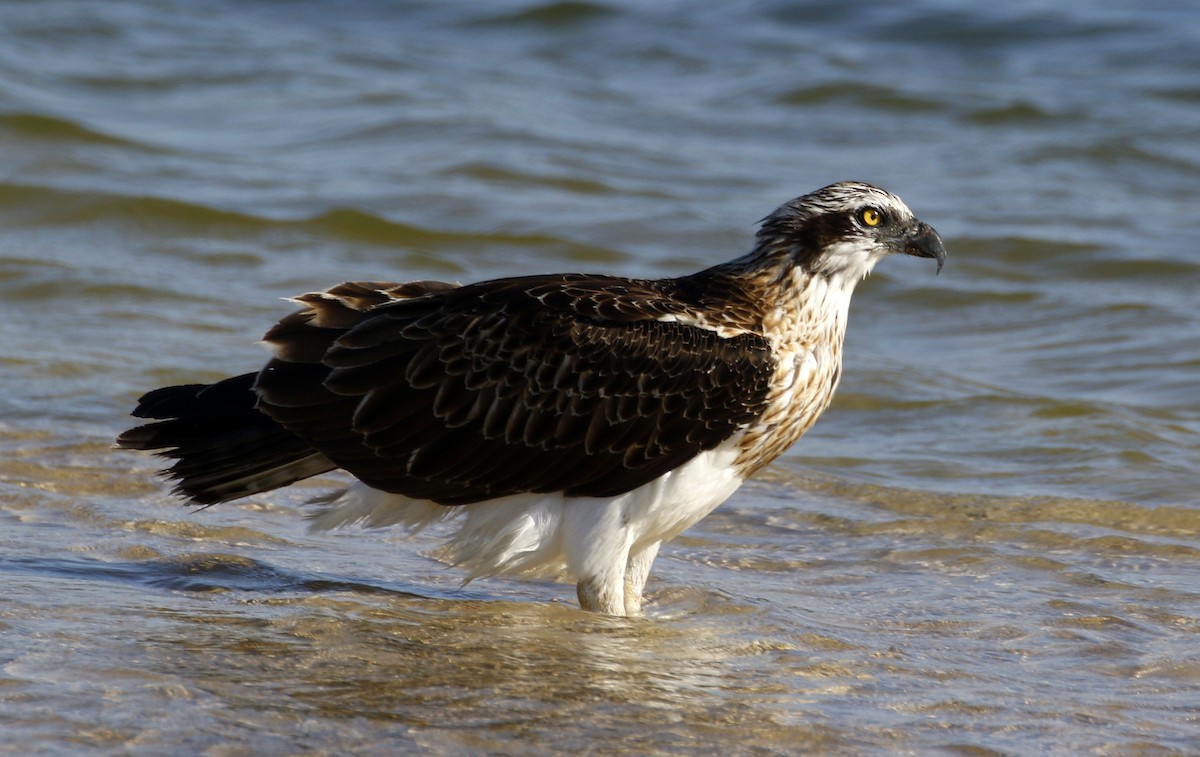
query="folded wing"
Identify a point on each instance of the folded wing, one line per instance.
(587, 385)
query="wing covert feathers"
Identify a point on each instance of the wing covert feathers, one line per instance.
(588, 385)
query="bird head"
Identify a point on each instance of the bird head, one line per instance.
(843, 230)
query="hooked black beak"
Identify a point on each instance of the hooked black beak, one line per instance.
(923, 242)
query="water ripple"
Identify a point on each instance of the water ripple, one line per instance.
(39, 127)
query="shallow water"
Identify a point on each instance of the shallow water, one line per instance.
(989, 545)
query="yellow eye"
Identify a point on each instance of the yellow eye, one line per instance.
(871, 217)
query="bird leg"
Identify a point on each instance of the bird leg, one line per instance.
(597, 540)
(636, 573)
(597, 595)
(623, 597)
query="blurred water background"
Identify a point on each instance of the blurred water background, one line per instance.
(987, 546)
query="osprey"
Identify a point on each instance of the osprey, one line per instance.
(572, 422)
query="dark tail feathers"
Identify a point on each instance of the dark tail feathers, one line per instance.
(222, 446)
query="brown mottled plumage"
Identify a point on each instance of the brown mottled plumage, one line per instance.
(546, 383)
(575, 421)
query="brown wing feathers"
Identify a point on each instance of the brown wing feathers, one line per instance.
(223, 448)
(539, 384)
